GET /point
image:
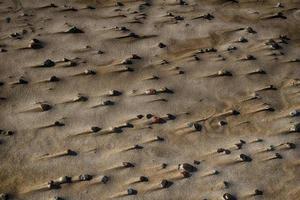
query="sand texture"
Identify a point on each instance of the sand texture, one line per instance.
(149, 99)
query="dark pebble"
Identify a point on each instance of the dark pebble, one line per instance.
(74, 29)
(48, 63)
(258, 192)
(161, 45)
(95, 129)
(54, 79)
(228, 196)
(245, 158)
(131, 191)
(85, 177)
(127, 165)
(165, 183)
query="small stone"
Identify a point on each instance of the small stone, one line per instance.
(134, 56)
(222, 123)
(150, 92)
(81, 98)
(90, 7)
(52, 185)
(22, 81)
(127, 61)
(185, 174)
(182, 2)
(231, 48)
(161, 45)
(48, 63)
(122, 28)
(104, 179)
(134, 35)
(258, 192)
(115, 129)
(15, 35)
(148, 116)
(249, 57)
(89, 72)
(35, 44)
(208, 16)
(279, 15)
(207, 50)
(65, 179)
(227, 151)
(224, 73)
(295, 60)
(279, 5)
(85, 177)
(166, 90)
(290, 145)
(7, 19)
(6, 133)
(275, 46)
(179, 18)
(157, 120)
(294, 113)
(250, 30)
(196, 57)
(270, 148)
(140, 116)
(164, 165)
(54, 79)
(165, 183)
(136, 146)
(197, 126)
(4, 196)
(196, 162)
(57, 198)
(284, 37)
(45, 107)
(74, 29)
(171, 117)
(119, 4)
(187, 167)
(260, 71)
(170, 14)
(243, 40)
(220, 150)
(131, 191)
(278, 156)
(127, 165)
(226, 184)
(245, 158)
(143, 179)
(108, 103)
(239, 145)
(164, 62)
(295, 128)
(228, 196)
(23, 14)
(57, 123)
(95, 129)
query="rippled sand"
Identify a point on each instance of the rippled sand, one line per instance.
(137, 88)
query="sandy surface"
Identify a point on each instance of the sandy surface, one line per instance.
(215, 97)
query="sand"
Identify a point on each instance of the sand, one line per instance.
(213, 85)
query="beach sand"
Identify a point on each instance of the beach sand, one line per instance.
(89, 85)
